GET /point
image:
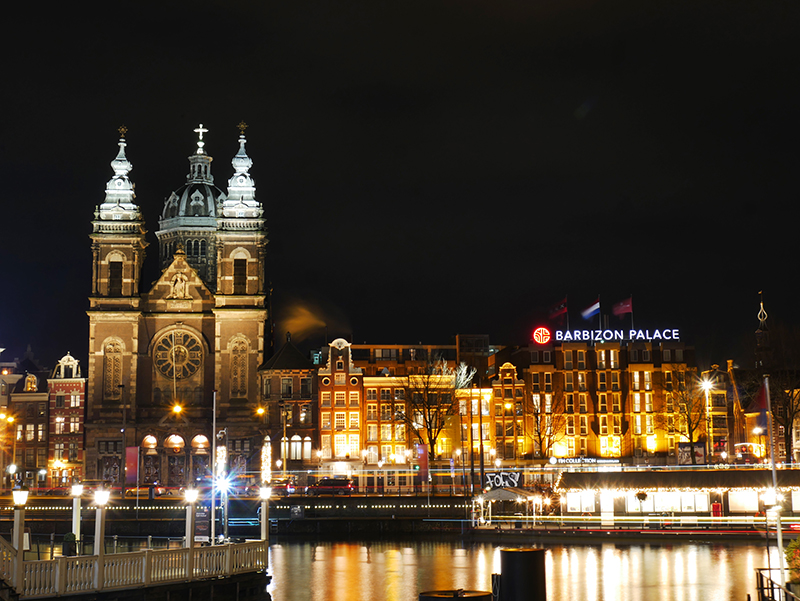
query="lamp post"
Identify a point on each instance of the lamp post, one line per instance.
(265, 492)
(77, 491)
(123, 435)
(20, 496)
(284, 442)
(101, 497)
(190, 495)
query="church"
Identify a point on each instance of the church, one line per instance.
(173, 366)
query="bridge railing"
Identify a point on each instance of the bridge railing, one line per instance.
(92, 573)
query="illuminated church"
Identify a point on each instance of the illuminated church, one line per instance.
(161, 359)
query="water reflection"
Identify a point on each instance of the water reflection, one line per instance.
(392, 571)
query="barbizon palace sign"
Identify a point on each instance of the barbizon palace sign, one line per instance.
(543, 335)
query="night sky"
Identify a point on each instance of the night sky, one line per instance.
(427, 167)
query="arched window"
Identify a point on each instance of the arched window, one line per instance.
(239, 355)
(202, 248)
(112, 369)
(150, 443)
(115, 277)
(296, 448)
(307, 448)
(31, 383)
(175, 442)
(200, 444)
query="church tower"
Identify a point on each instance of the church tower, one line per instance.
(189, 217)
(186, 351)
(118, 252)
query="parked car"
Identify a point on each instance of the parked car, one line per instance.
(331, 486)
(143, 492)
(284, 486)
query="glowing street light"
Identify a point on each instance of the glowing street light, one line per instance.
(77, 492)
(20, 496)
(191, 495)
(265, 492)
(101, 497)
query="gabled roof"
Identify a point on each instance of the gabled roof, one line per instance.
(288, 358)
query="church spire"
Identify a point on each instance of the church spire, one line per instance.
(763, 350)
(241, 210)
(118, 205)
(200, 162)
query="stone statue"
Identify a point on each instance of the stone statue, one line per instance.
(179, 286)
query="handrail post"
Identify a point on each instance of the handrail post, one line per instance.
(228, 559)
(147, 565)
(61, 575)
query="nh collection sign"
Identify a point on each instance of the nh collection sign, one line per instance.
(543, 335)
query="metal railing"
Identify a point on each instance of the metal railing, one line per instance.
(768, 589)
(92, 573)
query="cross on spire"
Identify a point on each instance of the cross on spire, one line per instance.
(242, 126)
(200, 131)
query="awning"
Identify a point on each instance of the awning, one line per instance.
(676, 480)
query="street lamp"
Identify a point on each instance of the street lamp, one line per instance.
(191, 496)
(20, 496)
(265, 492)
(101, 497)
(77, 492)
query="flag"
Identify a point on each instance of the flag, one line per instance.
(591, 310)
(760, 407)
(560, 308)
(622, 307)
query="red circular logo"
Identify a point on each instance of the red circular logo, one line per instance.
(541, 335)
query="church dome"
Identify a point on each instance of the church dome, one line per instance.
(193, 199)
(194, 203)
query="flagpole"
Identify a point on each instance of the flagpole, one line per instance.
(567, 298)
(776, 507)
(632, 328)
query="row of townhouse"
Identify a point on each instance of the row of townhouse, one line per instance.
(42, 423)
(562, 400)
(358, 407)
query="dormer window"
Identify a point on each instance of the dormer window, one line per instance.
(31, 383)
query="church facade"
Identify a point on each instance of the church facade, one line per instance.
(169, 363)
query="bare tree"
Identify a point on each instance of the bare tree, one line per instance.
(683, 413)
(430, 398)
(546, 421)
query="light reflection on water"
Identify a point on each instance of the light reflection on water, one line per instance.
(395, 571)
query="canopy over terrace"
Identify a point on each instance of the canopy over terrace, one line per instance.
(482, 506)
(676, 480)
(689, 492)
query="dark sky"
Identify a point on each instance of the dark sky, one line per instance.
(427, 167)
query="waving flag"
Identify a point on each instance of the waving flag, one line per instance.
(591, 310)
(760, 406)
(622, 307)
(558, 309)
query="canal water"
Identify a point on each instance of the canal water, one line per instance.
(399, 571)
